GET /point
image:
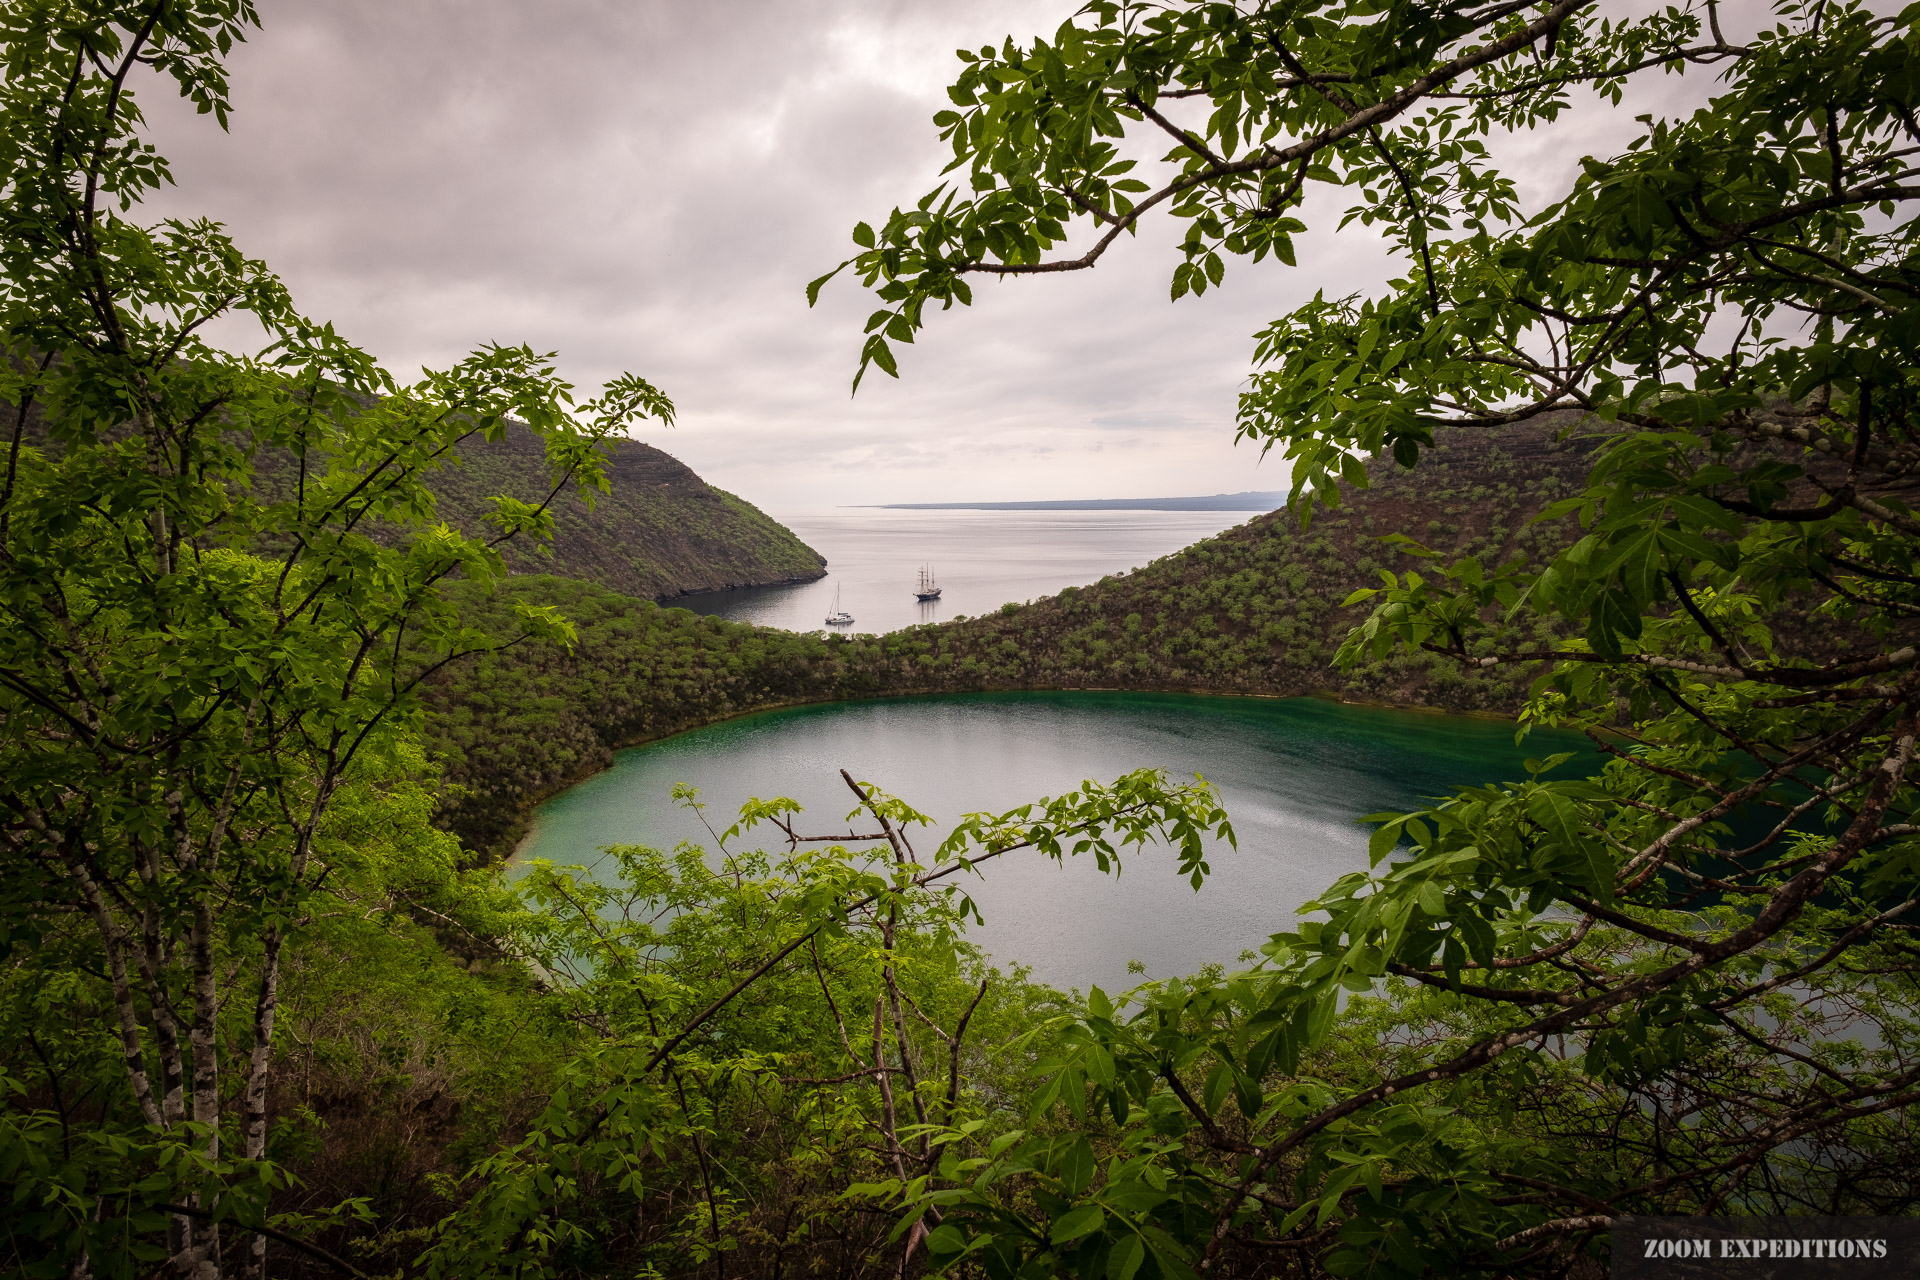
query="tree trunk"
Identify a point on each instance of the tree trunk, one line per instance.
(265, 1009)
(204, 1040)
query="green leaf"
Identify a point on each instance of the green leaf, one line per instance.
(1126, 1258)
(1100, 1066)
(814, 286)
(1353, 470)
(1076, 1223)
(1331, 1193)
(1384, 839)
(1214, 1091)
(1565, 827)
(1077, 1166)
(944, 1239)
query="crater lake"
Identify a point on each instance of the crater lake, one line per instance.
(1294, 774)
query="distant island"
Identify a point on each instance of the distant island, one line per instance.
(1216, 502)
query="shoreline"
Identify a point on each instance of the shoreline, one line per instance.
(666, 600)
(522, 829)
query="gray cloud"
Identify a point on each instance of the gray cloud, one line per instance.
(649, 185)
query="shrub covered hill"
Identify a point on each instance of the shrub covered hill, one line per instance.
(1255, 610)
(661, 532)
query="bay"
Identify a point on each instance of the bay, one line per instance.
(1294, 775)
(983, 559)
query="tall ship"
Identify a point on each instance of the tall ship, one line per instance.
(928, 588)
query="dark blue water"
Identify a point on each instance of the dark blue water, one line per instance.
(1294, 774)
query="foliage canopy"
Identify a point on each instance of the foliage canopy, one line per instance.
(1683, 985)
(197, 668)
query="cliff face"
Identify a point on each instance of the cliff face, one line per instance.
(662, 532)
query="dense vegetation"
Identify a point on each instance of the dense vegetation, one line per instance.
(1260, 608)
(1599, 1018)
(205, 699)
(1253, 610)
(261, 1015)
(659, 531)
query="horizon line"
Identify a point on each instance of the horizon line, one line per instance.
(1246, 500)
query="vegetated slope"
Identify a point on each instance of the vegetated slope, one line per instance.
(1259, 607)
(517, 725)
(1256, 609)
(661, 532)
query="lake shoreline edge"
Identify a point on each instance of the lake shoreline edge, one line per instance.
(522, 828)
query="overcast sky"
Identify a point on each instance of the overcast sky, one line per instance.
(649, 185)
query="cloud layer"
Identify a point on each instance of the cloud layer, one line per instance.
(649, 185)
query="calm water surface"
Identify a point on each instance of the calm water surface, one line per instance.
(982, 559)
(1293, 773)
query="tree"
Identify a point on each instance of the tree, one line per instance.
(1686, 984)
(771, 1041)
(220, 578)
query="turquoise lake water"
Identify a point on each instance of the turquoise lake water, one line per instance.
(1293, 773)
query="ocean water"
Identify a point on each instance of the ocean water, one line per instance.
(982, 560)
(1294, 774)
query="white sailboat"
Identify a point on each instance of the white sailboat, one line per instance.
(838, 617)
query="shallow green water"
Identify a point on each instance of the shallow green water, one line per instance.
(1293, 773)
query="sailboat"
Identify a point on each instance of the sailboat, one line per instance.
(928, 588)
(839, 617)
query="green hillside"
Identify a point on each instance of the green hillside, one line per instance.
(1258, 608)
(661, 532)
